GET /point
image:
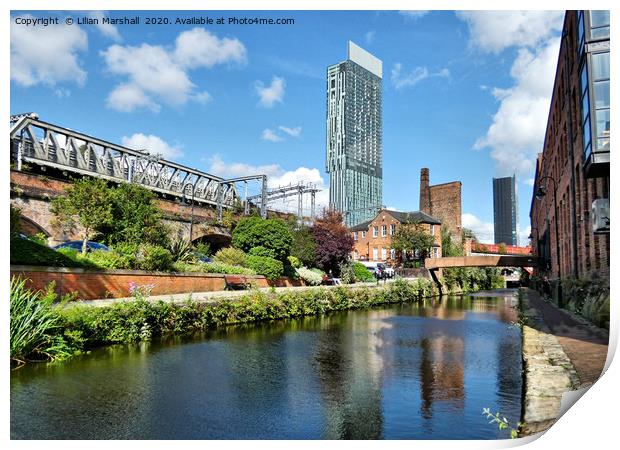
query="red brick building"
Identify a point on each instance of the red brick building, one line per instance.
(442, 201)
(570, 203)
(373, 239)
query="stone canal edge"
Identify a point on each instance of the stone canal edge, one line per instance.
(548, 370)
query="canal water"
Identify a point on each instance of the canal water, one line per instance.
(412, 371)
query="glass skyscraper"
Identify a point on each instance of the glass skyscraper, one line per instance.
(354, 148)
(505, 210)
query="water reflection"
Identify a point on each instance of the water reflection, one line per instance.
(410, 371)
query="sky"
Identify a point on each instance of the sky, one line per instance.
(465, 94)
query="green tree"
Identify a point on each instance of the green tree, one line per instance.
(136, 217)
(466, 233)
(272, 234)
(448, 246)
(87, 203)
(304, 245)
(412, 237)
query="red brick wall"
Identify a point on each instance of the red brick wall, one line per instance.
(446, 205)
(592, 249)
(115, 283)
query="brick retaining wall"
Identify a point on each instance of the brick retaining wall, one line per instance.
(98, 284)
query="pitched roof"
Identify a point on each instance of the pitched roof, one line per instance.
(361, 226)
(413, 216)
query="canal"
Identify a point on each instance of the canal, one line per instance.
(412, 371)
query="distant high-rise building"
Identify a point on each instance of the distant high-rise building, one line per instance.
(354, 148)
(505, 210)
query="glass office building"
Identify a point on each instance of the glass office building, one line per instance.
(505, 210)
(354, 149)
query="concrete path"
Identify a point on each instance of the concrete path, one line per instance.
(213, 296)
(584, 344)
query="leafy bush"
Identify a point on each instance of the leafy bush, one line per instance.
(28, 252)
(218, 267)
(35, 327)
(270, 268)
(347, 274)
(362, 274)
(262, 251)
(294, 262)
(272, 234)
(154, 257)
(231, 256)
(203, 248)
(309, 276)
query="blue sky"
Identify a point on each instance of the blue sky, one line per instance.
(465, 94)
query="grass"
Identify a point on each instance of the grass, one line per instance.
(36, 327)
(28, 252)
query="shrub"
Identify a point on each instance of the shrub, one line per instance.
(270, 268)
(262, 251)
(35, 327)
(203, 248)
(231, 256)
(347, 274)
(294, 262)
(154, 257)
(15, 226)
(272, 234)
(218, 267)
(362, 274)
(309, 276)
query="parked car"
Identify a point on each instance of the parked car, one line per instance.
(91, 246)
(389, 272)
(202, 258)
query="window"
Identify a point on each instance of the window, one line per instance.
(355, 235)
(392, 253)
(375, 253)
(393, 229)
(363, 235)
(383, 230)
(600, 83)
(383, 253)
(375, 231)
(599, 25)
(432, 230)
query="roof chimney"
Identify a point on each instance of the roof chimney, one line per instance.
(425, 191)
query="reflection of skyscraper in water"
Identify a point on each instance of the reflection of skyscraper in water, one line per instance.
(349, 366)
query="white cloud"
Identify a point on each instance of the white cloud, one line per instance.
(107, 29)
(154, 144)
(414, 14)
(484, 231)
(47, 55)
(370, 36)
(400, 80)
(529, 181)
(276, 176)
(518, 130)
(271, 94)
(293, 132)
(494, 31)
(269, 135)
(155, 74)
(200, 48)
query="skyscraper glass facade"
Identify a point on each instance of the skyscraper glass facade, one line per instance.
(505, 207)
(354, 149)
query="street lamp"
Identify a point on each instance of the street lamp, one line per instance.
(540, 193)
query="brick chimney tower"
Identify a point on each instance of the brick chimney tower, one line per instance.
(425, 191)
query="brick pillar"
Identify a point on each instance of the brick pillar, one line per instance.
(425, 191)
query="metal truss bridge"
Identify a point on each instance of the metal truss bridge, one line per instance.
(282, 192)
(36, 142)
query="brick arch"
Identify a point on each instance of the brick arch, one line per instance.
(29, 227)
(217, 237)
